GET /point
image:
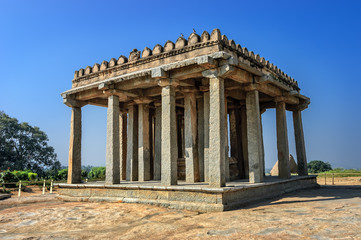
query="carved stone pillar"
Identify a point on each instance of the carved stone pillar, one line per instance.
(169, 136)
(226, 150)
(112, 150)
(206, 135)
(254, 137)
(262, 147)
(300, 143)
(123, 145)
(217, 133)
(143, 142)
(74, 169)
(200, 129)
(244, 140)
(158, 142)
(282, 140)
(236, 139)
(132, 144)
(190, 132)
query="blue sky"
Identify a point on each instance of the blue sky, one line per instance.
(42, 43)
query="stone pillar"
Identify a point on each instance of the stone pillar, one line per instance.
(254, 137)
(262, 147)
(74, 169)
(206, 135)
(190, 132)
(200, 121)
(300, 143)
(244, 140)
(236, 139)
(143, 142)
(132, 144)
(282, 141)
(169, 137)
(217, 133)
(123, 145)
(226, 158)
(112, 150)
(158, 142)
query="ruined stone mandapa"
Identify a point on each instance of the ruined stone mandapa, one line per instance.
(168, 110)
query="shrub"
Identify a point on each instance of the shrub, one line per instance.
(84, 173)
(22, 175)
(32, 176)
(97, 173)
(62, 174)
(7, 176)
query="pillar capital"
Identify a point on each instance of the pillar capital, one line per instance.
(220, 72)
(71, 102)
(165, 82)
(280, 99)
(252, 87)
(143, 100)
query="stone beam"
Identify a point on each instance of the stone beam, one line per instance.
(88, 94)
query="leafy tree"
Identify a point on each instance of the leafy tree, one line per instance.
(25, 147)
(317, 166)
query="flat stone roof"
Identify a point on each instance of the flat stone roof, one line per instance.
(182, 49)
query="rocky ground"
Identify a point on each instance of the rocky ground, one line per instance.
(331, 212)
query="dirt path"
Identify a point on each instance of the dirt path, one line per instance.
(313, 214)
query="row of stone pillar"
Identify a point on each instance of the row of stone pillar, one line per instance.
(128, 147)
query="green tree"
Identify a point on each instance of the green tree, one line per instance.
(317, 166)
(25, 147)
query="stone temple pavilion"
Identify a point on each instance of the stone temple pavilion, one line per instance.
(169, 112)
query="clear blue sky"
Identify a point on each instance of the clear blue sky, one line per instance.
(318, 43)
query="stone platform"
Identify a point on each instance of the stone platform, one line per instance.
(195, 197)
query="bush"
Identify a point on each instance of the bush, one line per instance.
(318, 166)
(32, 176)
(97, 173)
(62, 174)
(7, 176)
(22, 175)
(84, 173)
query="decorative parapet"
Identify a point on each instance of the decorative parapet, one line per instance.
(183, 45)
